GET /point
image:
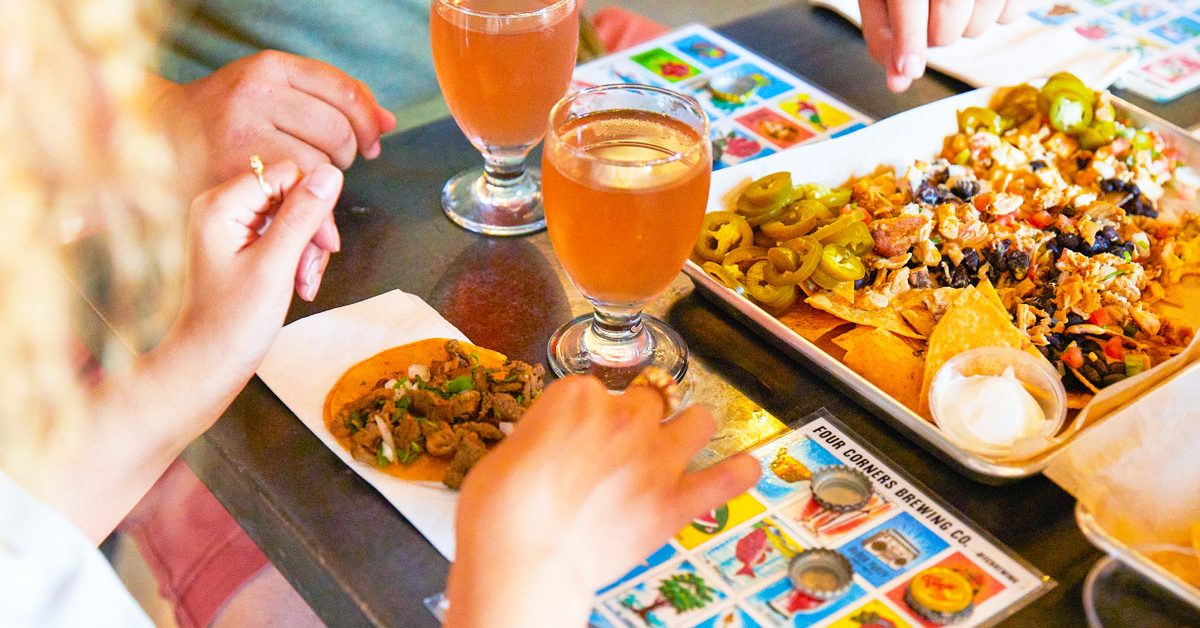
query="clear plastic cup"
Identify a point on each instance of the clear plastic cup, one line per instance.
(1035, 374)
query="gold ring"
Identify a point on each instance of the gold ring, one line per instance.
(256, 165)
(664, 384)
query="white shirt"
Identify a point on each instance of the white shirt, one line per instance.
(50, 573)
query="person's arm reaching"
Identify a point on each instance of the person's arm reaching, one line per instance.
(587, 485)
(237, 291)
(899, 32)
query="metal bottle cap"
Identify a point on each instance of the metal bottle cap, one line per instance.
(821, 573)
(732, 88)
(940, 595)
(841, 489)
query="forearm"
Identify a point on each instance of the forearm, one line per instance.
(140, 420)
(486, 589)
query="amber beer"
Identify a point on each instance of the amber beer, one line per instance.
(625, 193)
(502, 75)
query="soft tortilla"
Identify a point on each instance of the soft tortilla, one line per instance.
(359, 379)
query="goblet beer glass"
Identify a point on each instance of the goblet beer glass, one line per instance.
(626, 174)
(501, 65)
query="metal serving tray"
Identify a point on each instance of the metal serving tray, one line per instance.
(898, 140)
(1100, 537)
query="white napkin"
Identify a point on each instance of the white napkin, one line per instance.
(1015, 53)
(310, 355)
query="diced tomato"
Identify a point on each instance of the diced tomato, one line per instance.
(1042, 219)
(1100, 317)
(1119, 146)
(1114, 349)
(1007, 220)
(1162, 233)
(982, 201)
(1073, 356)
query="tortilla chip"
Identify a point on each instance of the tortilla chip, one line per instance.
(1181, 302)
(972, 321)
(989, 291)
(359, 379)
(810, 322)
(847, 340)
(887, 318)
(1077, 400)
(888, 362)
(920, 318)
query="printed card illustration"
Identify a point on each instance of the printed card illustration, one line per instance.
(596, 620)
(660, 556)
(1175, 68)
(831, 527)
(732, 146)
(816, 113)
(1178, 30)
(666, 65)
(777, 129)
(1097, 29)
(676, 599)
(702, 90)
(1139, 13)
(1140, 47)
(894, 548)
(705, 51)
(719, 521)
(787, 465)
(754, 556)
(769, 86)
(785, 606)
(1103, 3)
(1054, 14)
(873, 614)
(730, 618)
(983, 585)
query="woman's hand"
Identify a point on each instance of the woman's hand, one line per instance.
(898, 32)
(239, 280)
(589, 484)
(245, 256)
(277, 105)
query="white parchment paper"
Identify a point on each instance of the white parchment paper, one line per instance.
(311, 354)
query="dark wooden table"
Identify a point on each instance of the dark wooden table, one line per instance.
(358, 562)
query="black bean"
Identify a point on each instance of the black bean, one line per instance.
(1110, 232)
(1017, 260)
(970, 259)
(1082, 162)
(1070, 241)
(1037, 164)
(1052, 248)
(933, 195)
(1068, 211)
(965, 189)
(1046, 352)
(1101, 367)
(1074, 319)
(1112, 185)
(1113, 378)
(1089, 373)
(959, 277)
(1099, 245)
(1056, 340)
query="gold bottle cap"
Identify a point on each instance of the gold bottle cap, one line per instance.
(940, 595)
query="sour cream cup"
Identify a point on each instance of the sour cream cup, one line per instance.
(1035, 375)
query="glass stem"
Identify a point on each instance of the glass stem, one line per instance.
(504, 170)
(616, 339)
(617, 327)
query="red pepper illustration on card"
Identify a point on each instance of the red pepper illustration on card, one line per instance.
(775, 128)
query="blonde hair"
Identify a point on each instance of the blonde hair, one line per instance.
(79, 150)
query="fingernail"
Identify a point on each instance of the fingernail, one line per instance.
(324, 182)
(310, 273)
(911, 65)
(373, 151)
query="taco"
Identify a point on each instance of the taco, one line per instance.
(429, 410)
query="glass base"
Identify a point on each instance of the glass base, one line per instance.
(494, 210)
(576, 349)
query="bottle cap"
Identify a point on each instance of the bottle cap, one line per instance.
(732, 88)
(841, 489)
(821, 573)
(940, 595)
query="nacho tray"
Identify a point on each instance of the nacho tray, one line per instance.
(1134, 559)
(895, 141)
